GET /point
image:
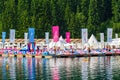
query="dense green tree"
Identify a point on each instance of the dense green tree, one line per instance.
(79, 23)
(67, 18)
(70, 15)
(23, 18)
(116, 15)
(116, 10)
(93, 17)
(84, 11)
(8, 15)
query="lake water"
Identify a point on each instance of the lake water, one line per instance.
(83, 68)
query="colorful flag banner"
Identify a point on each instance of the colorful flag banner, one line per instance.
(68, 37)
(84, 35)
(12, 35)
(31, 34)
(55, 33)
(101, 37)
(47, 37)
(109, 34)
(25, 37)
(3, 36)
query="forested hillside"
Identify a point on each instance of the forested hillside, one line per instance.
(70, 15)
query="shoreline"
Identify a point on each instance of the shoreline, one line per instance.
(59, 56)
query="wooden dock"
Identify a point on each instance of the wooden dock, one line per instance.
(59, 56)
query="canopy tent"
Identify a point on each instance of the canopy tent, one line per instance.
(60, 43)
(62, 40)
(93, 42)
(51, 44)
(115, 42)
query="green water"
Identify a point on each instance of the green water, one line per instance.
(91, 68)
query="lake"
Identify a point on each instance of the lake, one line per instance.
(82, 68)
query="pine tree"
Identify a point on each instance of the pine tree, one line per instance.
(116, 15)
(70, 15)
(7, 15)
(23, 18)
(93, 17)
(79, 22)
(84, 9)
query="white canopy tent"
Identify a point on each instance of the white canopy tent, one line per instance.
(60, 43)
(62, 40)
(115, 42)
(93, 42)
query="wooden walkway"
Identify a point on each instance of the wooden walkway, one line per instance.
(59, 56)
(40, 40)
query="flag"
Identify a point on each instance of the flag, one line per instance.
(68, 37)
(3, 36)
(47, 37)
(55, 33)
(25, 37)
(116, 35)
(84, 35)
(109, 34)
(12, 35)
(31, 34)
(101, 37)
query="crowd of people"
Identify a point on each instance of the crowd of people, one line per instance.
(45, 50)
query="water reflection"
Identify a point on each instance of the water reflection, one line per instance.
(88, 68)
(44, 70)
(108, 68)
(38, 68)
(12, 68)
(4, 69)
(84, 69)
(30, 68)
(55, 71)
(24, 68)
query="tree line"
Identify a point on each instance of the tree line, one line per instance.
(70, 15)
